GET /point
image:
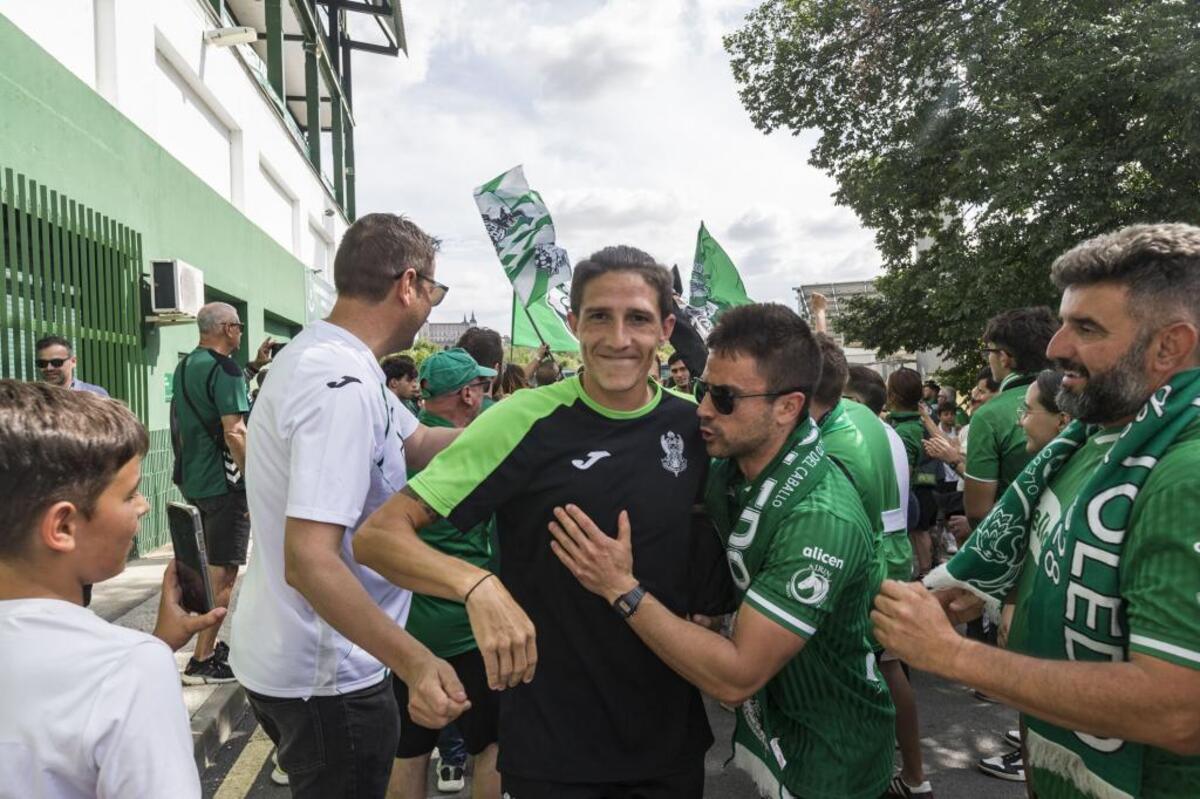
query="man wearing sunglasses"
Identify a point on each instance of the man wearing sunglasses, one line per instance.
(815, 719)
(604, 717)
(318, 634)
(210, 400)
(55, 360)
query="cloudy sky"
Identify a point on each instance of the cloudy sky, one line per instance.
(626, 118)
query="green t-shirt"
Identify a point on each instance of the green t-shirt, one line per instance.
(908, 426)
(828, 706)
(996, 450)
(855, 438)
(1160, 577)
(216, 387)
(442, 624)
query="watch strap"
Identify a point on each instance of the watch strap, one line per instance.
(627, 604)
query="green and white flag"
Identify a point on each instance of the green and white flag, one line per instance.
(520, 228)
(547, 316)
(715, 285)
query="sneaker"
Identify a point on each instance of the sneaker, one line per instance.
(1006, 767)
(278, 775)
(1013, 737)
(982, 697)
(221, 651)
(207, 672)
(900, 789)
(949, 543)
(450, 778)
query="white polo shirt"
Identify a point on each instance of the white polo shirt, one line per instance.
(87, 708)
(900, 461)
(325, 443)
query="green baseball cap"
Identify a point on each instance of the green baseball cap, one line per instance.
(449, 370)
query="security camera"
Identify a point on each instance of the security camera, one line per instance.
(228, 37)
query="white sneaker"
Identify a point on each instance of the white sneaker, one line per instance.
(450, 778)
(949, 542)
(278, 775)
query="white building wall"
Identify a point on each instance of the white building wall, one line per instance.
(199, 102)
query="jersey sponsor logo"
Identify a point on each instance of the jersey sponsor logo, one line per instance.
(672, 446)
(809, 585)
(821, 556)
(583, 464)
(345, 381)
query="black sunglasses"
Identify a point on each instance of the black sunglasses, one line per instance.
(55, 362)
(724, 398)
(436, 294)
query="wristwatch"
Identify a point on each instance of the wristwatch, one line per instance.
(627, 604)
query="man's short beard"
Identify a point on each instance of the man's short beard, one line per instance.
(1111, 395)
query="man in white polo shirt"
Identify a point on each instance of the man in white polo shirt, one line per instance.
(316, 632)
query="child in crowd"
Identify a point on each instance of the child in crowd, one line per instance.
(89, 708)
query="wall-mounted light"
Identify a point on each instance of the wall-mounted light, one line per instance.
(228, 37)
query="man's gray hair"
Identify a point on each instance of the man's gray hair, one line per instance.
(1159, 264)
(210, 318)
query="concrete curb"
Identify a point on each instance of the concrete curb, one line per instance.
(214, 722)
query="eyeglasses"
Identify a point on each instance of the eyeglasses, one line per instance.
(238, 325)
(436, 294)
(55, 362)
(725, 398)
(1025, 411)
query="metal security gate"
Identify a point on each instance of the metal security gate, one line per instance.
(70, 271)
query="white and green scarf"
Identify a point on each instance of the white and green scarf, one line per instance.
(752, 513)
(1094, 526)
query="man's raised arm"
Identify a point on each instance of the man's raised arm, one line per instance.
(388, 543)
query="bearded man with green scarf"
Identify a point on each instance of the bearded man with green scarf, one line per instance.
(814, 719)
(1097, 540)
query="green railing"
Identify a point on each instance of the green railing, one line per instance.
(67, 270)
(70, 271)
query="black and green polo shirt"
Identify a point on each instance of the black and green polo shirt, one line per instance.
(602, 707)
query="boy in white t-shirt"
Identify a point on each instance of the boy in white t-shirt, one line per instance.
(87, 708)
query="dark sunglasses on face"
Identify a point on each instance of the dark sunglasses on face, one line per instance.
(436, 294)
(55, 362)
(724, 398)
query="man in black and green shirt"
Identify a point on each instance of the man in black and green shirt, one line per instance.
(453, 386)
(604, 717)
(1015, 345)
(904, 414)
(815, 719)
(211, 400)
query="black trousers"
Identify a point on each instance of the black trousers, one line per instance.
(687, 784)
(334, 746)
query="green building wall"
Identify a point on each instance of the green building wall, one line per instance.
(56, 130)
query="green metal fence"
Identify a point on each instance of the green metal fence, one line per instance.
(68, 270)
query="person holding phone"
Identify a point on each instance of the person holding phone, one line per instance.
(84, 701)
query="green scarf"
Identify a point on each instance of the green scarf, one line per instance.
(1094, 526)
(746, 516)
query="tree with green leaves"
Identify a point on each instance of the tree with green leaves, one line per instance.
(980, 139)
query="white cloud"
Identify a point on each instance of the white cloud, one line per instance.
(626, 117)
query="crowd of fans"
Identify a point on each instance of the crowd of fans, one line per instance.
(541, 572)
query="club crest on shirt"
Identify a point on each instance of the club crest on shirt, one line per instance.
(809, 585)
(672, 445)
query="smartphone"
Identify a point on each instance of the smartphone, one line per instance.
(191, 558)
(276, 347)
